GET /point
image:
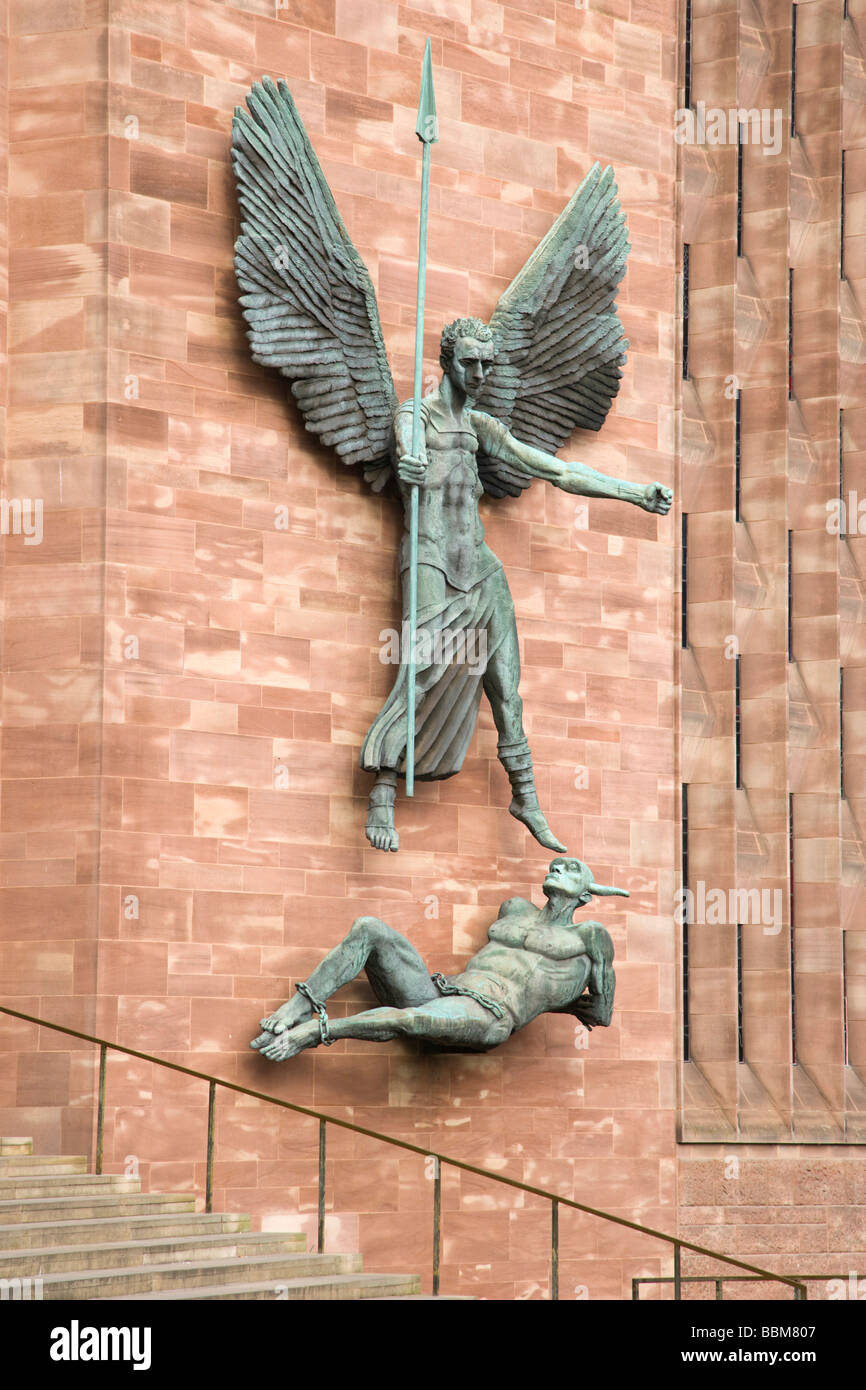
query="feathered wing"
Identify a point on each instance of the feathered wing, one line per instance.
(560, 343)
(308, 299)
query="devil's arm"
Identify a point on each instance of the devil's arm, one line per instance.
(577, 478)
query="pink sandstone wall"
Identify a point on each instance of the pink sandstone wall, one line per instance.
(168, 653)
(801, 1078)
(4, 295)
(52, 651)
(8, 1073)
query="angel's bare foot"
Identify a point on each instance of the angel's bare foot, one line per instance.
(532, 816)
(380, 829)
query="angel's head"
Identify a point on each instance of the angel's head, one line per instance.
(467, 354)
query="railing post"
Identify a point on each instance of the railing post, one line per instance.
(100, 1107)
(554, 1251)
(801, 1293)
(211, 1127)
(635, 1290)
(320, 1228)
(720, 1293)
(437, 1223)
(678, 1272)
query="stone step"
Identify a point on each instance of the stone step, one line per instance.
(132, 1254)
(66, 1185)
(273, 1271)
(99, 1237)
(84, 1207)
(15, 1144)
(336, 1287)
(38, 1165)
(38, 1235)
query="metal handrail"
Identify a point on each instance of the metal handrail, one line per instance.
(720, 1279)
(554, 1198)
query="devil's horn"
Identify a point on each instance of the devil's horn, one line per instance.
(600, 890)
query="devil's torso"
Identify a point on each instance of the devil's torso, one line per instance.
(526, 981)
(450, 532)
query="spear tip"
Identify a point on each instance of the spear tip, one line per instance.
(427, 128)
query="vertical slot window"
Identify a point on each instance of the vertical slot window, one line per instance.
(843, 518)
(738, 457)
(684, 582)
(741, 1050)
(790, 335)
(845, 1053)
(842, 732)
(793, 959)
(739, 189)
(738, 727)
(685, 311)
(842, 220)
(790, 595)
(684, 830)
(793, 71)
(687, 80)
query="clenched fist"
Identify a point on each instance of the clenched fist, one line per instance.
(410, 469)
(657, 498)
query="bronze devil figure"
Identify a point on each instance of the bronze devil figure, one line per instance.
(536, 960)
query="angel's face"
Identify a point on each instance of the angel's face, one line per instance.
(471, 365)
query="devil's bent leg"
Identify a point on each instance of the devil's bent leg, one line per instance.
(394, 968)
(396, 972)
(455, 1022)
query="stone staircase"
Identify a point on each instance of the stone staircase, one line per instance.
(67, 1234)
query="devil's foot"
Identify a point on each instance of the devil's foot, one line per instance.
(380, 829)
(533, 818)
(281, 1047)
(294, 1011)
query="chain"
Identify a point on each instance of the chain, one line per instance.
(320, 1011)
(445, 988)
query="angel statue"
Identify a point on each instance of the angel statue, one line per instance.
(512, 393)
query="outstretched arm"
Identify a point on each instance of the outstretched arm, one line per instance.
(575, 477)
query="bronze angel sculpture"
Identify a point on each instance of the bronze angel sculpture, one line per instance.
(512, 393)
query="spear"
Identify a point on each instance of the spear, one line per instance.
(427, 131)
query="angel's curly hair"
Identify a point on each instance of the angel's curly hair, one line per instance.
(462, 328)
